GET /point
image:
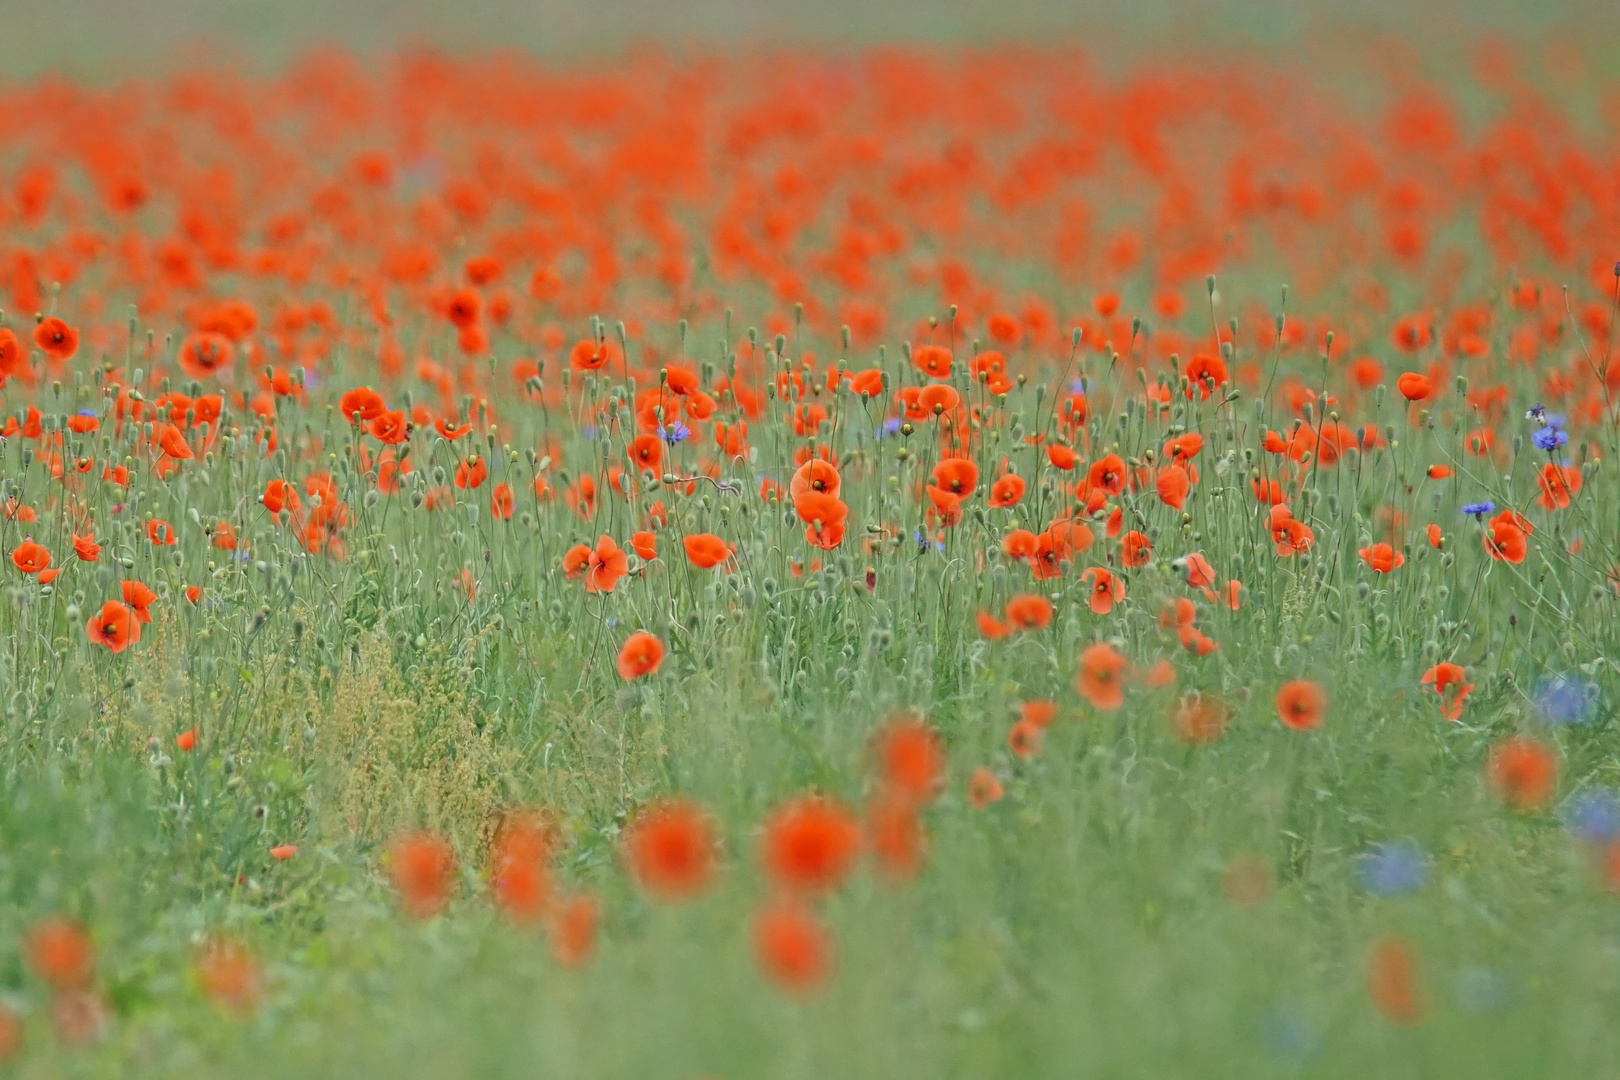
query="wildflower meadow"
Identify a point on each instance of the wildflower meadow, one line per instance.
(950, 559)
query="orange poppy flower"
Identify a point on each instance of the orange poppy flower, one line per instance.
(644, 544)
(706, 550)
(1448, 681)
(640, 656)
(588, 355)
(1414, 387)
(389, 427)
(959, 476)
(56, 339)
(59, 952)
(229, 976)
(792, 947)
(1062, 457)
(501, 502)
(1392, 981)
(1173, 484)
(1107, 589)
(362, 403)
(203, 354)
(471, 474)
(1198, 719)
(139, 597)
(1007, 491)
(1301, 704)
(1024, 740)
(992, 628)
(1505, 541)
(605, 566)
(895, 836)
(1135, 549)
(422, 867)
(1382, 557)
(1101, 680)
(670, 850)
(113, 626)
(573, 930)
(30, 557)
(983, 788)
(1107, 474)
(910, 757)
(1028, 611)
(809, 846)
(1522, 772)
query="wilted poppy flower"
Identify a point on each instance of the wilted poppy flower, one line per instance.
(670, 850)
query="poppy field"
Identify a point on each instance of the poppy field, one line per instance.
(917, 562)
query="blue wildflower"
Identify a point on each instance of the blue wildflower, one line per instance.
(891, 426)
(1593, 815)
(1549, 438)
(1400, 866)
(589, 431)
(1564, 699)
(675, 433)
(1288, 1033)
(1479, 509)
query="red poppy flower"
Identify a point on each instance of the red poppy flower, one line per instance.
(56, 339)
(113, 626)
(706, 550)
(30, 557)
(793, 949)
(670, 849)
(640, 656)
(422, 867)
(810, 845)
(1101, 679)
(1301, 704)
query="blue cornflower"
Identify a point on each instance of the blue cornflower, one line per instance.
(1593, 815)
(675, 433)
(1289, 1033)
(1548, 438)
(1479, 509)
(1564, 699)
(589, 431)
(87, 412)
(891, 426)
(1400, 866)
